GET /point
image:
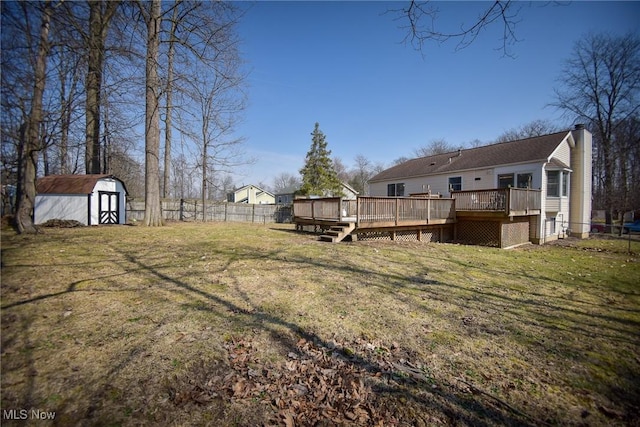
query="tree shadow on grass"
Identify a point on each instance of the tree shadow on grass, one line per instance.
(458, 407)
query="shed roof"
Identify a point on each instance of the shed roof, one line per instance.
(535, 149)
(69, 184)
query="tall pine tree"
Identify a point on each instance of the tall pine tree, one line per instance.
(319, 178)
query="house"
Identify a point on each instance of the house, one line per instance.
(251, 194)
(558, 165)
(349, 192)
(88, 199)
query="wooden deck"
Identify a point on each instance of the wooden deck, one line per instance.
(372, 213)
(339, 218)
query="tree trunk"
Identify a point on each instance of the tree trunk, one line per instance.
(204, 180)
(167, 122)
(152, 208)
(93, 83)
(30, 139)
(99, 20)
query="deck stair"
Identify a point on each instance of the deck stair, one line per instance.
(338, 232)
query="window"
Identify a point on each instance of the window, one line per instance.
(395, 190)
(553, 183)
(455, 183)
(505, 180)
(524, 180)
(557, 183)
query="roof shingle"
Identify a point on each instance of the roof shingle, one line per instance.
(526, 150)
(69, 184)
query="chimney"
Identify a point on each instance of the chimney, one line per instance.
(580, 183)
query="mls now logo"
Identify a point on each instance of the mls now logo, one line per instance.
(23, 414)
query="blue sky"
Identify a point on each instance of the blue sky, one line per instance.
(343, 64)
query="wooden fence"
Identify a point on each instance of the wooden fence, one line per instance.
(191, 210)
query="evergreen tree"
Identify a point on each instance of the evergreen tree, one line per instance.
(319, 178)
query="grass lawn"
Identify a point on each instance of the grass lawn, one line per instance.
(240, 324)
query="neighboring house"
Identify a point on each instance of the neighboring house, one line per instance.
(88, 199)
(349, 192)
(284, 198)
(252, 195)
(558, 164)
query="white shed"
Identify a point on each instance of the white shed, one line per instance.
(89, 199)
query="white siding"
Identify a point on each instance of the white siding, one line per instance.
(482, 179)
(580, 183)
(264, 198)
(253, 195)
(563, 153)
(83, 208)
(435, 184)
(61, 206)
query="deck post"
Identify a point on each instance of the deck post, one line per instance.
(508, 202)
(340, 209)
(397, 205)
(428, 212)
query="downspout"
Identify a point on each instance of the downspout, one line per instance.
(542, 227)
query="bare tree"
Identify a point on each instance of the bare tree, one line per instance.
(528, 130)
(100, 14)
(600, 85)
(435, 146)
(341, 169)
(168, 125)
(152, 206)
(361, 174)
(285, 183)
(30, 138)
(183, 177)
(216, 116)
(128, 169)
(420, 19)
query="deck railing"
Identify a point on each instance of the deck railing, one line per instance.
(511, 201)
(376, 211)
(322, 209)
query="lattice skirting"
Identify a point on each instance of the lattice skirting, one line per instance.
(515, 232)
(501, 234)
(485, 233)
(425, 235)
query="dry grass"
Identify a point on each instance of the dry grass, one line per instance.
(234, 324)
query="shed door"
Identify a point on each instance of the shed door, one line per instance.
(108, 207)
